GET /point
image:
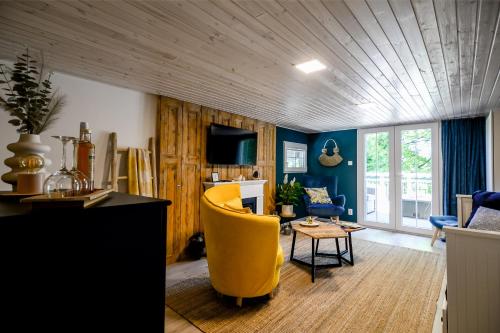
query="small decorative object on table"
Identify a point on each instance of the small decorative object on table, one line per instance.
(62, 183)
(215, 177)
(85, 150)
(34, 107)
(310, 222)
(78, 201)
(85, 183)
(31, 180)
(345, 224)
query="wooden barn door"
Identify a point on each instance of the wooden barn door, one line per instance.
(170, 156)
(180, 129)
(190, 173)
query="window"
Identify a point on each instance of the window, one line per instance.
(295, 157)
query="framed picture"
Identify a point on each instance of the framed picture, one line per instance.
(215, 177)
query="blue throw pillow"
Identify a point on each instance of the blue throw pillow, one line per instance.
(485, 199)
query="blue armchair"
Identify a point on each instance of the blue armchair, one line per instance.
(336, 208)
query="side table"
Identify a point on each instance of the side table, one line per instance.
(285, 220)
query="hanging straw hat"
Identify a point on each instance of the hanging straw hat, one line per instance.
(330, 160)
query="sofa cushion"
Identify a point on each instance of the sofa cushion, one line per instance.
(486, 219)
(318, 195)
(485, 199)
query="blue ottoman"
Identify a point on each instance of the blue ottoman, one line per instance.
(442, 221)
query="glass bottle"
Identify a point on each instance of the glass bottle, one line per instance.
(82, 179)
(86, 154)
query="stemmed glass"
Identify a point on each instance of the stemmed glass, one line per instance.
(63, 182)
(80, 176)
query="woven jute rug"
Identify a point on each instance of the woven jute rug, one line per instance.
(389, 289)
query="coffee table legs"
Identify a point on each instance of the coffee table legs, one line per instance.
(350, 249)
(313, 271)
(340, 254)
(293, 245)
(313, 264)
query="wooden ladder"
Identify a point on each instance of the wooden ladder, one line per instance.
(111, 167)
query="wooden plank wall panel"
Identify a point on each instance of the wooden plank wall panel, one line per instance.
(183, 164)
(190, 184)
(169, 123)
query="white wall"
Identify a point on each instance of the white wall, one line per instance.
(489, 152)
(106, 108)
(495, 133)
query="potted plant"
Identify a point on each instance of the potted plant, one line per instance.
(289, 194)
(27, 96)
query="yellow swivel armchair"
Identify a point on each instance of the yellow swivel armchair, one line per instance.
(243, 251)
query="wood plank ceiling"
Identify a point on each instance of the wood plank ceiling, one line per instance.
(388, 61)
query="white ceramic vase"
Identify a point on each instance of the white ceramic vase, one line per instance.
(27, 144)
(287, 210)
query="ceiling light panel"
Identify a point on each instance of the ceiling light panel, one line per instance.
(310, 66)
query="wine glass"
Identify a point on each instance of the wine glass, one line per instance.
(80, 176)
(62, 183)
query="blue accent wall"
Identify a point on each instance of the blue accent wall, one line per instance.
(347, 174)
(284, 134)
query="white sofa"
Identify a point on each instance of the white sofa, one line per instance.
(473, 278)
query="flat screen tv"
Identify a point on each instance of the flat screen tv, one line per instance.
(231, 145)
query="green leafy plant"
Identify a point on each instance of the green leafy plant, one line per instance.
(27, 96)
(289, 192)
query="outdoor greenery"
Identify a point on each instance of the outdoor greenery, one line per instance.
(27, 96)
(289, 192)
(413, 156)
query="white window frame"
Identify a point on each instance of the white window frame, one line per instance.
(297, 146)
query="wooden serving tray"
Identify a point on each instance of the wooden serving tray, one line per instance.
(10, 194)
(81, 201)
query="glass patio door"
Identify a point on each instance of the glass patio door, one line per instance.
(417, 175)
(398, 177)
(376, 170)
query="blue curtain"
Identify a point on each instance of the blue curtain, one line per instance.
(464, 159)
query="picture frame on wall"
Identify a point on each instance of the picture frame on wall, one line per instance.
(215, 177)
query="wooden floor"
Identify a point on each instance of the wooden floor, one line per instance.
(182, 270)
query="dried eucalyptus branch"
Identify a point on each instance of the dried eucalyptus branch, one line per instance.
(30, 100)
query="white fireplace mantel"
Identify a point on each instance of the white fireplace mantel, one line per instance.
(249, 189)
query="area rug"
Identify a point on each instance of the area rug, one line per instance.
(389, 289)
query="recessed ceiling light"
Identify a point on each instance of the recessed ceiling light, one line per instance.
(367, 106)
(310, 66)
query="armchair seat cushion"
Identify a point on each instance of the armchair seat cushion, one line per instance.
(325, 210)
(444, 221)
